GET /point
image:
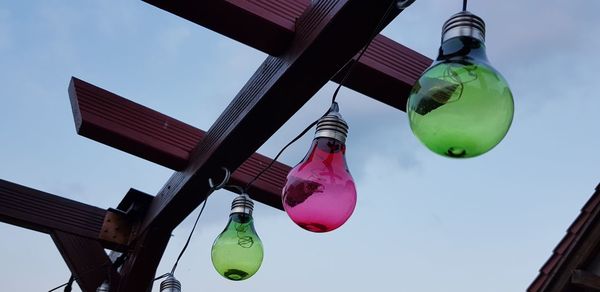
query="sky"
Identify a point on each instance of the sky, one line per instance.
(422, 223)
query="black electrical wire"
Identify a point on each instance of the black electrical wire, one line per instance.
(352, 63)
(161, 276)
(464, 5)
(68, 286)
(245, 189)
(58, 287)
(281, 152)
(188, 240)
(184, 247)
(238, 188)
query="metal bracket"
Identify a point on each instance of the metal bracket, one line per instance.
(116, 227)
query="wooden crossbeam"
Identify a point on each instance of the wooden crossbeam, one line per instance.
(259, 109)
(265, 25)
(36, 210)
(313, 41)
(115, 121)
(86, 259)
(139, 271)
(327, 36)
(386, 72)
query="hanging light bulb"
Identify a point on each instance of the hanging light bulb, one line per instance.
(319, 194)
(170, 284)
(461, 106)
(237, 253)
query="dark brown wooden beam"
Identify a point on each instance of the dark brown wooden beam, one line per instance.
(328, 35)
(386, 72)
(120, 123)
(265, 25)
(85, 258)
(139, 270)
(323, 45)
(586, 279)
(36, 210)
(113, 120)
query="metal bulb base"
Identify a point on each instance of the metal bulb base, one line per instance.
(466, 24)
(170, 284)
(242, 204)
(332, 125)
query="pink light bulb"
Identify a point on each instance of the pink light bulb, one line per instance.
(320, 194)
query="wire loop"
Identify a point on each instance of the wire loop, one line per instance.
(223, 183)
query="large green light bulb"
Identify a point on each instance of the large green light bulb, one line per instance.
(237, 253)
(461, 106)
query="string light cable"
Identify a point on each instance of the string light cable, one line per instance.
(121, 259)
(213, 187)
(351, 64)
(68, 285)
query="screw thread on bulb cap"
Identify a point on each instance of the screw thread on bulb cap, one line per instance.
(242, 204)
(464, 23)
(170, 284)
(332, 125)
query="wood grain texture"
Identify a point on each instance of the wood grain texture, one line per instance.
(85, 258)
(266, 25)
(250, 119)
(108, 118)
(139, 271)
(120, 123)
(386, 72)
(321, 47)
(40, 211)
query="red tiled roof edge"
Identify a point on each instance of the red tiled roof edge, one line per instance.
(563, 249)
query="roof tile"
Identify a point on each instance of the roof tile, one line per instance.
(551, 263)
(579, 222)
(564, 244)
(538, 283)
(562, 250)
(592, 203)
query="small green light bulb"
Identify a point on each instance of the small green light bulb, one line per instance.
(237, 253)
(461, 106)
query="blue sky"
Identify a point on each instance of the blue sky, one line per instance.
(422, 223)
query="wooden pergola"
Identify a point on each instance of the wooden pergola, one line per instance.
(308, 43)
